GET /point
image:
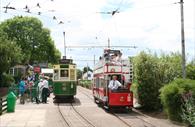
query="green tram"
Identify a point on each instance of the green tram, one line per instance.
(64, 79)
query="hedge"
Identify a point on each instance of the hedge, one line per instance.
(171, 96)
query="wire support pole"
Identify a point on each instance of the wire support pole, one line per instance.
(183, 41)
(64, 45)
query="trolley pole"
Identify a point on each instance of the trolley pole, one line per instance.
(64, 46)
(183, 41)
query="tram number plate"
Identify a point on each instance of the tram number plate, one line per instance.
(72, 86)
(64, 87)
(121, 99)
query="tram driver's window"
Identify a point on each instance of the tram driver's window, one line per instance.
(64, 73)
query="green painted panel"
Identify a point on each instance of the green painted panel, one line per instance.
(64, 88)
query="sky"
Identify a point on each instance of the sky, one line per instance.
(147, 24)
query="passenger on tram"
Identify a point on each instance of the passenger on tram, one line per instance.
(114, 84)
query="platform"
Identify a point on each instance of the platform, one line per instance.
(33, 115)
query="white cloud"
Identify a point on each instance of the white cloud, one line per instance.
(148, 24)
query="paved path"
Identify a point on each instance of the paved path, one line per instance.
(48, 115)
(33, 115)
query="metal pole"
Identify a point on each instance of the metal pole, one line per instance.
(183, 41)
(87, 71)
(94, 60)
(64, 46)
(108, 42)
(0, 11)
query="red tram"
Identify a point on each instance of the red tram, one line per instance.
(111, 64)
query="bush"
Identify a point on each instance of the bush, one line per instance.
(190, 71)
(134, 90)
(171, 97)
(148, 80)
(85, 83)
(7, 80)
(188, 108)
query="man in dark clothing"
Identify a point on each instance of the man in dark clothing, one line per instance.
(45, 90)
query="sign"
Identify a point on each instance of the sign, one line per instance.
(37, 69)
(65, 61)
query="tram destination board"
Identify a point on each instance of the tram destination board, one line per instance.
(65, 61)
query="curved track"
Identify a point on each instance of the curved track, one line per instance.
(90, 96)
(63, 116)
(74, 122)
(89, 122)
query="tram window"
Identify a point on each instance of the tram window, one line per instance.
(102, 83)
(97, 82)
(56, 75)
(64, 73)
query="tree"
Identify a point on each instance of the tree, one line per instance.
(147, 80)
(190, 70)
(170, 67)
(34, 40)
(10, 54)
(85, 69)
(79, 74)
(151, 73)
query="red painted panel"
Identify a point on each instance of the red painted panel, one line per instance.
(120, 99)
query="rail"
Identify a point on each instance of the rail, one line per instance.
(3, 105)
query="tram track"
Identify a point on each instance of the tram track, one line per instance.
(136, 111)
(117, 116)
(89, 122)
(86, 94)
(62, 115)
(80, 118)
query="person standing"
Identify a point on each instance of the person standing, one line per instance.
(22, 87)
(40, 89)
(45, 90)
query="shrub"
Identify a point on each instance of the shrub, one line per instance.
(134, 90)
(188, 108)
(148, 81)
(190, 71)
(171, 97)
(85, 83)
(7, 80)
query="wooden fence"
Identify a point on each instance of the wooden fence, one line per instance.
(3, 105)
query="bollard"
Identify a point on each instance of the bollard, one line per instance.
(11, 102)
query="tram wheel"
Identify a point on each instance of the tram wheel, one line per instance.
(128, 109)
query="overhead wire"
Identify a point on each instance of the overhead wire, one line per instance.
(112, 13)
(61, 22)
(28, 9)
(155, 6)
